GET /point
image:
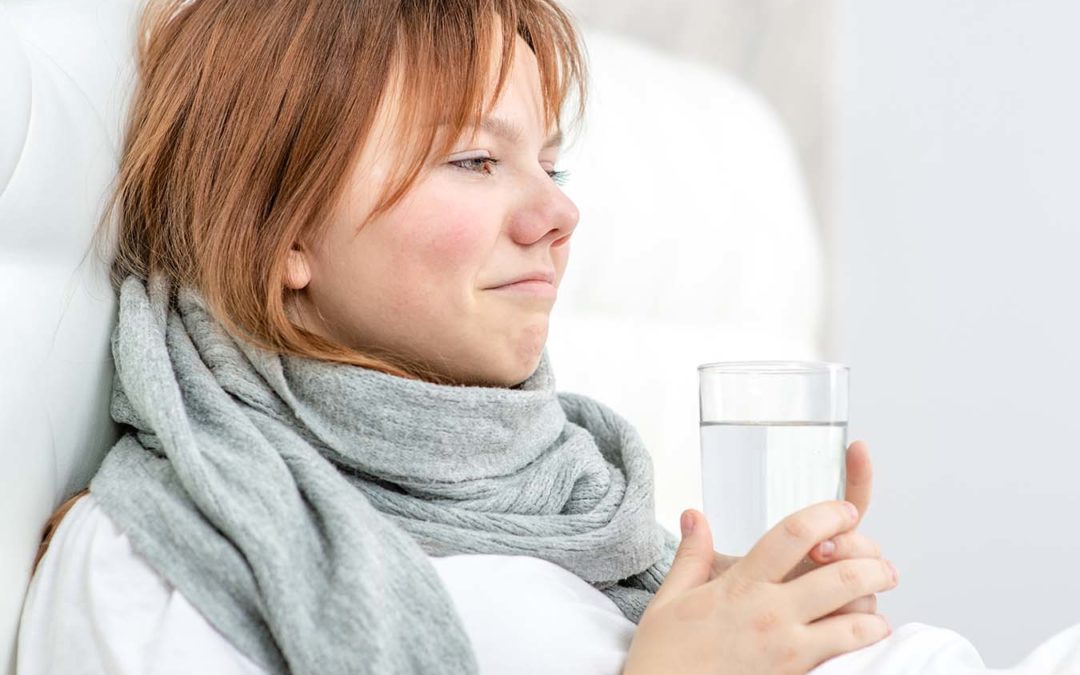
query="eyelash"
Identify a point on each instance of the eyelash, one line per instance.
(560, 177)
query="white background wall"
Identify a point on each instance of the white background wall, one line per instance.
(955, 284)
(783, 49)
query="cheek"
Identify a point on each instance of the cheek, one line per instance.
(443, 247)
(409, 278)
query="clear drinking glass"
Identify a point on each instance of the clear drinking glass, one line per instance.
(773, 441)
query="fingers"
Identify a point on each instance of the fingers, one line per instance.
(721, 563)
(846, 545)
(850, 544)
(867, 604)
(805, 565)
(693, 559)
(831, 587)
(789, 541)
(860, 476)
(845, 633)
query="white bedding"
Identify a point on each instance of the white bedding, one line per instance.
(95, 607)
(929, 650)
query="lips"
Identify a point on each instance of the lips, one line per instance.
(540, 275)
(529, 288)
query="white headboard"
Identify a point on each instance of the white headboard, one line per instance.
(63, 65)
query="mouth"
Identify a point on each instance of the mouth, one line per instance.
(529, 288)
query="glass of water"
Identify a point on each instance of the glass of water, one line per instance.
(773, 441)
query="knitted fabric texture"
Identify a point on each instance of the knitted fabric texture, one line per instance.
(295, 502)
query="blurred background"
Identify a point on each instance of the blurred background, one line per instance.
(938, 144)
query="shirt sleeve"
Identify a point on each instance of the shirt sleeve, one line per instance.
(94, 607)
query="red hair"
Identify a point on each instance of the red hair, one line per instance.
(247, 117)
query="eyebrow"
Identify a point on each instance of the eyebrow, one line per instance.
(506, 129)
(498, 126)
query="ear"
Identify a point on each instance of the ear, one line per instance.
(297, 269)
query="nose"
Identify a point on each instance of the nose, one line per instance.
(546, 213)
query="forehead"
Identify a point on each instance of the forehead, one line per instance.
(523, 84)
(398, 135)
(520, 102)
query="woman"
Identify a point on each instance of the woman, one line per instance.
(341, 235)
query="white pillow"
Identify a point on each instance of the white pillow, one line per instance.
(63, 65)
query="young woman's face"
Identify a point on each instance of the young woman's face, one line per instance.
(427, 279)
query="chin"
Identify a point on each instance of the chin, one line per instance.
(511, 364)
(521, 366)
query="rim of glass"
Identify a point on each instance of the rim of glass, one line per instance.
(773, 367)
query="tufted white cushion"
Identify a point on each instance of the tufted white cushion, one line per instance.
(695, 244)
(63, 65)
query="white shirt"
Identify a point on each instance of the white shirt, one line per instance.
(95, 607)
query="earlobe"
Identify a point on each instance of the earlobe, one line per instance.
(297, 270)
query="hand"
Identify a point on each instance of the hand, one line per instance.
(747, 620)
(849, 544)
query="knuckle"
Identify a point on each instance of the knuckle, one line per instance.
(866, 628)
(859, 630)
(849, 576)
(784, 652)
(796, 528)
(765, 621)
(789, 653)
(737, 587)
(886, 574)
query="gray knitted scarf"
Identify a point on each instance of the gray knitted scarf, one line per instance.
(294, 502)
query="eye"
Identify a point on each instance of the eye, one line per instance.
(476, 164)
(560, 177)
(487, 165)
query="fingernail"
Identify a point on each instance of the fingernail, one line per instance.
(895, 574)
(827, 548)
(853, 510)
(687, 523)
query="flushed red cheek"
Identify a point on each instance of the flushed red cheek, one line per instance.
(452, 244)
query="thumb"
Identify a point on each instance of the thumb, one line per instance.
(693, 559)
